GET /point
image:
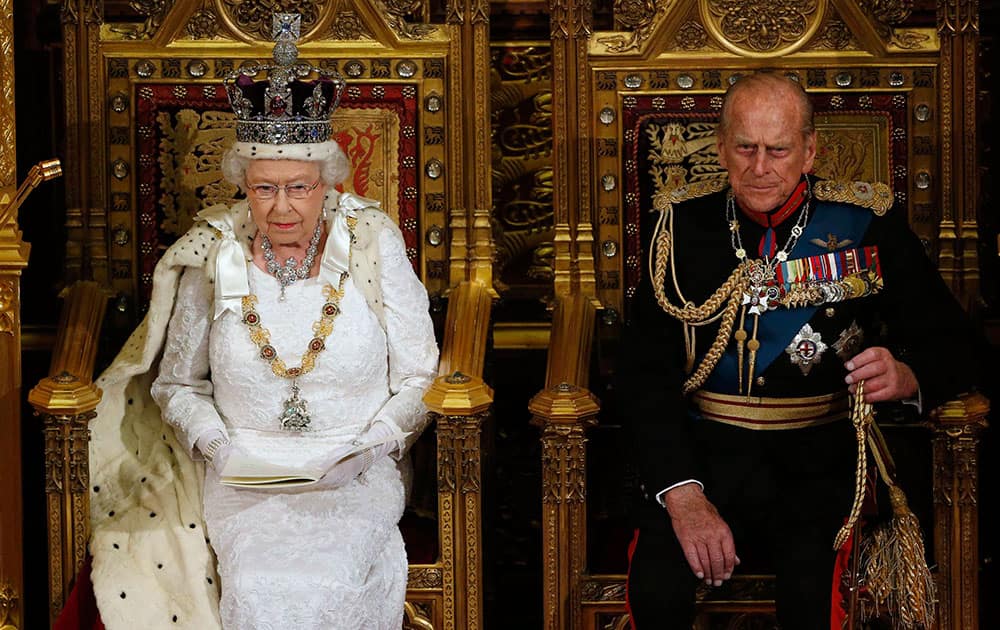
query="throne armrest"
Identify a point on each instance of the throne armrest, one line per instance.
(67, 400)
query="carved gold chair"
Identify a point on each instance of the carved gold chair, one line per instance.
(147, 124)
(643, 100)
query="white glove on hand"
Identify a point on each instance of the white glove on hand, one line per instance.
(346, 470)
(215, 448)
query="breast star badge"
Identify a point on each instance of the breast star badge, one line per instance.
(806, 348)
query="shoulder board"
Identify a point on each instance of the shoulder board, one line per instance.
(686, 192)
(876, 197)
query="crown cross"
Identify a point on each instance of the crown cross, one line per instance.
(286, 108)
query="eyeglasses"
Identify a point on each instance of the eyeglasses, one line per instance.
(293, 191)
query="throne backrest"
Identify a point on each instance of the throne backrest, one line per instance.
(185, 129)
(670, 141)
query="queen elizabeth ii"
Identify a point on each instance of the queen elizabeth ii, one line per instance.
(287, 328)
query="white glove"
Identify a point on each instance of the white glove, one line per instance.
(346, 470)
(215, 447)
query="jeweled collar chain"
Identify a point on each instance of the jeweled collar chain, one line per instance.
(289, 272)
(295, 410)
(793, 237)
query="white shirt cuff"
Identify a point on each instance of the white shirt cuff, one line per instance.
(662, 493)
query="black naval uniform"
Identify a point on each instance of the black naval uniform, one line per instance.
(787, 491)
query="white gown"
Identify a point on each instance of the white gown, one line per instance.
(309, 557)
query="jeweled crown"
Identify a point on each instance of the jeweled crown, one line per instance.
(287, 107)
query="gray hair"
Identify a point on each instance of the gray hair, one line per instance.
(767, 80)
(334, 166)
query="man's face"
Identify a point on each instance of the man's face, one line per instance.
(764, 148)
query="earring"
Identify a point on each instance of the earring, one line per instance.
(324, 215)
(249, 214)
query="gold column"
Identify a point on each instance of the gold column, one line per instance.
(564, 411)
(83, 69)
(13, 258)
(470, 154)
(459, 402)
(66, 401)
(570, 23)
(958, 26)
(958, 426)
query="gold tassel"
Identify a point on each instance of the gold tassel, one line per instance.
(741, 336)
(753, 345)
(894, 570)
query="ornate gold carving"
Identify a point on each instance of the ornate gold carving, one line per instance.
(254, 17)
(957, 16)
(522, 174)
(691, 36)
(203, 24)
(399, 10)
(480, 11)
(564, 459)
(8, 305)
(639, 18)
(348, 26)
(424, 577)
(417, 615)
(459, 516)
(889, 11)
(835, 35)
(8, 158)
(67, 13)
(762, 27)
(154, 10)
(958, 426)
(10, 607)
(603, 590)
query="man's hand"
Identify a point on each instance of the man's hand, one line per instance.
(885, 377)
(705, 538)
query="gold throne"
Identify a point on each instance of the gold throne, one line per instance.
(642, 95)
(148, 121)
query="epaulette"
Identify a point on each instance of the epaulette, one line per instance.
(876, 197)
(688, 191)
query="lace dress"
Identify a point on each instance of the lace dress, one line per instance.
(307, 557)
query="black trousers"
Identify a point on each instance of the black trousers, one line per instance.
(783, 493)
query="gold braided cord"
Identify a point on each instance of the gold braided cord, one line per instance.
(718, 347)
(861, 417)
(731, 292)
(690, 314)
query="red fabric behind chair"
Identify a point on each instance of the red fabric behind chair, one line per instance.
(80, 610)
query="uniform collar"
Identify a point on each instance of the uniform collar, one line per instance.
(776, 217)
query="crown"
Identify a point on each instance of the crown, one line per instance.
(287, 107)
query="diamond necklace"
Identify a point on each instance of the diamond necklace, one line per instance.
(289, 273)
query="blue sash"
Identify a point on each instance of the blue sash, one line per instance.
(776, 328)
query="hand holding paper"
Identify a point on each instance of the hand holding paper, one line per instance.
(335, 468)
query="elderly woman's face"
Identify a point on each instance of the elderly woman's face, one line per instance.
(286, 199)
